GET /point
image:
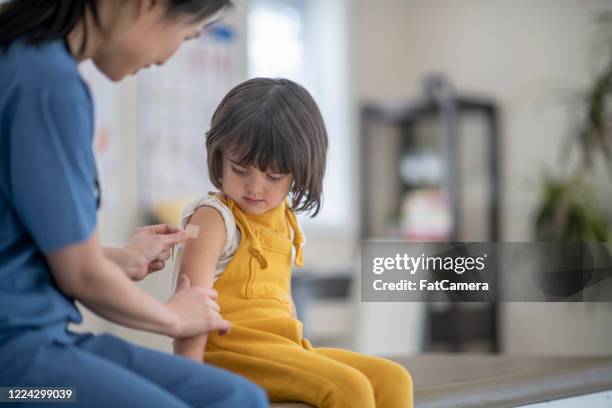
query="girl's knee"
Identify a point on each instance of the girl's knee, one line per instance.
(399, 375)
(351, 389)
(393, 385)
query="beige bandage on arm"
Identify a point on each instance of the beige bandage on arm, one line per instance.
(193, 230)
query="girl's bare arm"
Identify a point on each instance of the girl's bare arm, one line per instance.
(199, 261)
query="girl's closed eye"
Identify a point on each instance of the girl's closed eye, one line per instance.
(239, 170)
(276, 177)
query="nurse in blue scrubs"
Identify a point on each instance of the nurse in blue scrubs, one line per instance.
(50, 253)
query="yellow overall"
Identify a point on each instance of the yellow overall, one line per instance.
(266, 344)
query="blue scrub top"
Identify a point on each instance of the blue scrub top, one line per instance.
(48, 183)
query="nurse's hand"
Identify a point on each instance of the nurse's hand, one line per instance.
(149, 249)
(196, 310)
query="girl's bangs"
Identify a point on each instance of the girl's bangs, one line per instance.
(263, 147)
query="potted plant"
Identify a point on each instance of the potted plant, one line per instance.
(568, 209)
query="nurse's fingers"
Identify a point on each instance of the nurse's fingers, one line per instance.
(220, 325)
(182, 283)
(214, 305)
(164, 256)
(163, 229)
(156, 266)
(174, 238)
(211, 293)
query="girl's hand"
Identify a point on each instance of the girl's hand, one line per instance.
(149, 249)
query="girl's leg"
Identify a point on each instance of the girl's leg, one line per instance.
(195, 384)
(295, 374)
(391, 382)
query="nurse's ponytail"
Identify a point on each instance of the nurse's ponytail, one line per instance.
(41, 20)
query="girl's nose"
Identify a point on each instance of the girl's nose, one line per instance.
(254, 185)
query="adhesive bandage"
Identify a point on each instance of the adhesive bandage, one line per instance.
(192, 230)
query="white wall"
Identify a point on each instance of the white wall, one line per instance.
(520, 53)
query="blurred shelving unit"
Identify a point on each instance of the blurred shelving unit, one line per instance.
(424, 180)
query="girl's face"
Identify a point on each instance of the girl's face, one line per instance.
(140, 38)
(255, 191)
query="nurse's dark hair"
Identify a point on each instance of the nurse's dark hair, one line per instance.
(41, 20)
(274, 125)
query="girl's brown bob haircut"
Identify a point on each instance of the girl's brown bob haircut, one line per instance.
(275, 125)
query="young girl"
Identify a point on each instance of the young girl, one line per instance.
(266, 155)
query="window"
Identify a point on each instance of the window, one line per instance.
(306, 41)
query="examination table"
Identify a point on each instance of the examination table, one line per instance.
(476, 380)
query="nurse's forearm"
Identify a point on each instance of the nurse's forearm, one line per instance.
(83, 272)
(116, 255)
(108, 292)
(134, 265)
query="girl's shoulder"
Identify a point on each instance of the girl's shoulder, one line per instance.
(217, 201)
(212, 199)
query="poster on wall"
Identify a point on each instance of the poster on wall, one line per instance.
(107, 149)
(176, 105)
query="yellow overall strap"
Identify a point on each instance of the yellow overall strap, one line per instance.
(298, 237)
(254, 245)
